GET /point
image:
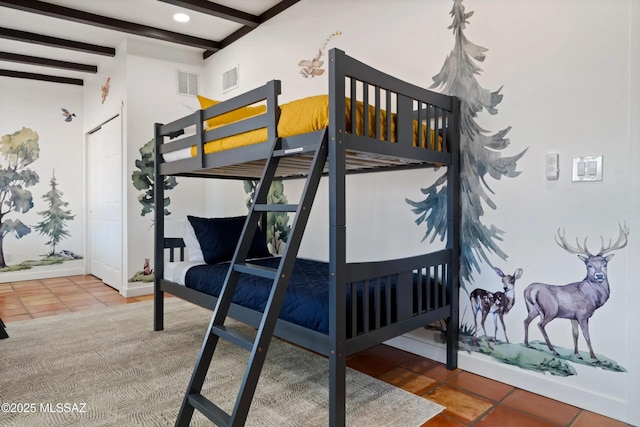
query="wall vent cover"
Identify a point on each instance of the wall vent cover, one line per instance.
(187, 83)
(230, 79)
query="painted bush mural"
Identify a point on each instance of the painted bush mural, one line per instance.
(19, 150)
(143, 180)
(278, 227)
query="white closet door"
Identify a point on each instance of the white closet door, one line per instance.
(105, 202)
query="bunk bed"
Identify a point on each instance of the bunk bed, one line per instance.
(372, 122)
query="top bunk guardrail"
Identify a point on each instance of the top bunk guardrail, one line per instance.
(419, 123)
(187, 154)
(391, 124)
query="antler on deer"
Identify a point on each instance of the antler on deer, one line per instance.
(583, 250)
(580, 250)
(619, 244)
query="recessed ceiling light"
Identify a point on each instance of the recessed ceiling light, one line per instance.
(181, 17)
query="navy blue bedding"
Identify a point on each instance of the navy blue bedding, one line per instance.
(307, 299)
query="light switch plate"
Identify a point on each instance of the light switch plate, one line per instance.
(587, 168)
(552, 168)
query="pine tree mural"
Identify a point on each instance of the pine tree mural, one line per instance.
(55, 218)
(480, 154)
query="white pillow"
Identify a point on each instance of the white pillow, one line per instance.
(194, 252)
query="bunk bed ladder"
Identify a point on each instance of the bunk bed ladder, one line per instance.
(259, 345)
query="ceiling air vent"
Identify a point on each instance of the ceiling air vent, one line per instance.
(187, 83)
(230, 79)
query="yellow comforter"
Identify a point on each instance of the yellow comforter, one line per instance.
(297, 117)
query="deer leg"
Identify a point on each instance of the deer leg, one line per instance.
(574, 332)
(504, 329)
(475, 327)
(532, 315)
(584, 324)
(474, 307)
(484, 317)
(541, 326)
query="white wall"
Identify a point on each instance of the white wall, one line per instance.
(143, 90)
(569, 72)
(152, 98)
(37, 105)
(633, 207)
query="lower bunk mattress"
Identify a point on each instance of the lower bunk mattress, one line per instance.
(306, 302)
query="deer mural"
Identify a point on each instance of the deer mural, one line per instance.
(496, 303)
(576, 301)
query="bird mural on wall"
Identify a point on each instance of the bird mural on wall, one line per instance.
(105, 89)
(67, 115)
(312, 67)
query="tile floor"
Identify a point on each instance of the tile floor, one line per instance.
(470, 400)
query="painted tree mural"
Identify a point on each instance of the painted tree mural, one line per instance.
(19, 150)
(143, 180)
(480, 154)
(278, 227)
(55, 218)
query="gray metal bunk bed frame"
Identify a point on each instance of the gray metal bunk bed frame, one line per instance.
(334, 152)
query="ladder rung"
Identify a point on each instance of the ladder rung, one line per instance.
(275, 208)
(233, 336)
(209, 409)
(256, 270)
(295, 151)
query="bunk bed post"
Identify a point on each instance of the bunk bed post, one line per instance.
(453, 231)
(337, 241)
(158, 221)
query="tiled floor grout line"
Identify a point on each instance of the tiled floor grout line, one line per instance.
(501, 402)
(26, 309)
(494, 405)
(573, 420)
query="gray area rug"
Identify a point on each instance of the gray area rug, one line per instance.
(108, 368)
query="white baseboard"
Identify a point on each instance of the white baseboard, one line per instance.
(136, 289)
(424, 343)
(38, 274)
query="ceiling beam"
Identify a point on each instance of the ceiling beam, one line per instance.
(265, 16)
(46, 62)
(218, 10)
(26, 37)
(66, 13)
(41, 77)
(276, 9)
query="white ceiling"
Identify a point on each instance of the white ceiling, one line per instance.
(157, 14)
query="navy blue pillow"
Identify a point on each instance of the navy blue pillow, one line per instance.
(218, 238)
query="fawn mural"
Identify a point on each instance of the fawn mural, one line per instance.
(495, 303)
